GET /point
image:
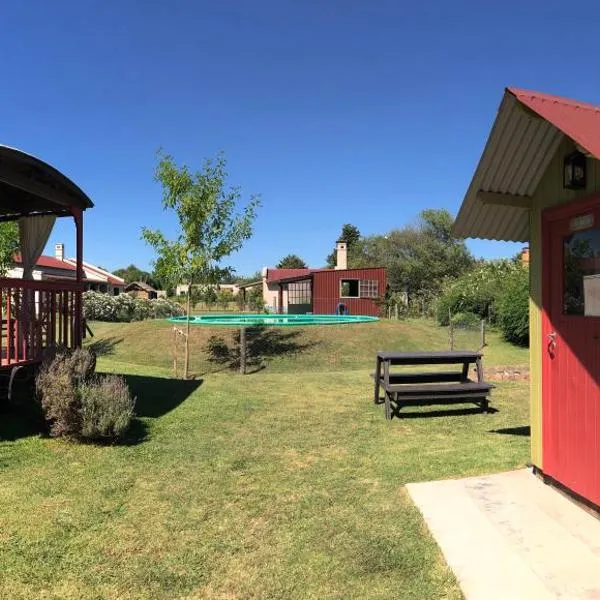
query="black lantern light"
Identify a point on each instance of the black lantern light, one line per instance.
(574, 171)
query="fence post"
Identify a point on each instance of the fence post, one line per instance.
(451, 336)
(483, 333)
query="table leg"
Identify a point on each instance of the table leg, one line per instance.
(387, 394)
(465, 371)
(377, 378)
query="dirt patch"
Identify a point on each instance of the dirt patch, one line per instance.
(518, 373)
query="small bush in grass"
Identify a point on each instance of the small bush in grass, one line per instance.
(78, 404)
(106, 408)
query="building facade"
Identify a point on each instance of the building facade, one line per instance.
(538, 181)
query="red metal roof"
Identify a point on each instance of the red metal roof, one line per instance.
(577, 120)
(49, 262)
(277, 274)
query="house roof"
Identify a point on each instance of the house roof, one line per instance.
(50, 262)
(70, 265)
(311, 272)
(526, 134)
(99, 273)
(140, 284)
(277, 274)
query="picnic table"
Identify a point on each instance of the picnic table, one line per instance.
(429, 387)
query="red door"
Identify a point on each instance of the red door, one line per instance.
(571, 347)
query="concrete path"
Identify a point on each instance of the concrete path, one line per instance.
(509, 536)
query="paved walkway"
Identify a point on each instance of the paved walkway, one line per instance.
(509, 536)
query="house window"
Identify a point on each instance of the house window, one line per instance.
(299, 292)
(369, 288)
(349, 288)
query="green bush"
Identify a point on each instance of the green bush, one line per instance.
(513, 308)
(106, 408)
(465, 319)
(476, 291)
(125, 308)
(78, 404)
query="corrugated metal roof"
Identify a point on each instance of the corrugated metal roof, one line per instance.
(277, 274)
(518, 150)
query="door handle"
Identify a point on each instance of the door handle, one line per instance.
(552, 343)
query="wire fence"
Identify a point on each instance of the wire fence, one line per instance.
(467, 335)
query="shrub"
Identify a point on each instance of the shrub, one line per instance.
(125, 308)
(513, 308)
(78, 404)
(465, 319)
(106, 408)
(476, 291)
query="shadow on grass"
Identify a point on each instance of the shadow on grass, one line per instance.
(523, 430)
(155, 397)
(446, 412)
(262, 343)
(105, 346)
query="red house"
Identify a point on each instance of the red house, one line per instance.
(326, 291)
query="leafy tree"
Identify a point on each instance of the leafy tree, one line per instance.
(255, 300)
(291, 261)
(133, 273)
(351, 235)
(419, 258)
(9, 245)
(211, 226)
(257, 276)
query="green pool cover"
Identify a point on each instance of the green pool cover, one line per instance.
(245, 320)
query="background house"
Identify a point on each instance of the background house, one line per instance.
(323, 291)
(57, 267)
(141, 290)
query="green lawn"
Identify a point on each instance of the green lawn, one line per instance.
(287, 483)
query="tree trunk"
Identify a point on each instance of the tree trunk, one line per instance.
(186, 360)
(243, 350)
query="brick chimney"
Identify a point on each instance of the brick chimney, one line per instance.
(341, 260)
(59, 251)
(525, 256)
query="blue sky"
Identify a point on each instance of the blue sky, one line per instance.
(334, 111)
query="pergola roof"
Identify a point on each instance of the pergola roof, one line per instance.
(525, 136)
(29, 186)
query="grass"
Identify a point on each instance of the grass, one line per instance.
(327, 348)
(284, 484)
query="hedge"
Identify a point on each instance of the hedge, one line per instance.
(124, 308)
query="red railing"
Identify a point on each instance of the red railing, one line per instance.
(38, 315)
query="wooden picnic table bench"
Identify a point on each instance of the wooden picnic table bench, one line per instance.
(429, 387)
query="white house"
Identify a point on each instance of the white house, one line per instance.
(57, 267)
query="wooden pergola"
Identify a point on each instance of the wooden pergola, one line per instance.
(38, 314)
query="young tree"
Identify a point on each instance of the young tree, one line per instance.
(211, 226)
(291, 261)
(9, 245)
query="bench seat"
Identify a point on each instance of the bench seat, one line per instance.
(434, 392)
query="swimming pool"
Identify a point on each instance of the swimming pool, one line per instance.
(273, 320)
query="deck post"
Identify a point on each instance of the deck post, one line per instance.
(78, 317)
